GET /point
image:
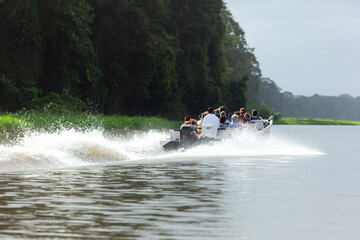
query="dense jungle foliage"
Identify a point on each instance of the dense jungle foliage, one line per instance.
(342, 107)
(130, 57)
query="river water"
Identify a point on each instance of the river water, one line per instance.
(302, 182)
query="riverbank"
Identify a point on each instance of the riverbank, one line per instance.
(20, 122)
(313, 121)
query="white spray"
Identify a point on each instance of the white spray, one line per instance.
(71, 148)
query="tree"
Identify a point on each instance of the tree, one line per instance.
(242, 75)
(69, 59)
(20, 51)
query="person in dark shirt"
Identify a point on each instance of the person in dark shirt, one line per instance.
(254, 115)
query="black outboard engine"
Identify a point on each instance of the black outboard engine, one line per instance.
(187, 135)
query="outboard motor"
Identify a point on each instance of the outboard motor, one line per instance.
(187, 135)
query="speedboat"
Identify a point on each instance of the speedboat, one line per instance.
(186, 136)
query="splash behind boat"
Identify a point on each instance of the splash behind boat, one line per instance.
(186, 136)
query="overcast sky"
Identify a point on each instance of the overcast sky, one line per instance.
(305, 46)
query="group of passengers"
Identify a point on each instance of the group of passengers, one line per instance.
(219, 119)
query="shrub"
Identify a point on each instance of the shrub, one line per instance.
(56, 103)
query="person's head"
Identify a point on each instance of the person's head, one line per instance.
(210, 110)
(254, 112)
(222, 119)
(223, 113)
(242, 111)
(247, 116)
(187, 118)
(234, 118)
(222, 109)
(193, 122)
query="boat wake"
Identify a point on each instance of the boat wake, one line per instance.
(71, 148)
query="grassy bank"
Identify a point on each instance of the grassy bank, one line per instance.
(20, 122)
(314, 121)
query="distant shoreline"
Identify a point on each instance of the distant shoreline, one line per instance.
(314, 121)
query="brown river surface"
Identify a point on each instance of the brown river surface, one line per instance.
(302, 182)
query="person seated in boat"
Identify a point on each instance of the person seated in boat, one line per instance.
(186, 121)
(254, 115)
(222, 114)
(201, 117)
(196, 126)
(222, 121)
(247, 118)
(211, 120)
(240, 119)
(219, 111)
(227, 117)
(242, 112)
(234, 122)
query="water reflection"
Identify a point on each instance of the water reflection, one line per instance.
(124, 201)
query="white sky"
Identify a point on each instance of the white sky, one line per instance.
(305, 46)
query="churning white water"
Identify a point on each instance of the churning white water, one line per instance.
(71, 148)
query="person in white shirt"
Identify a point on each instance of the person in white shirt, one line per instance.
(211, 119)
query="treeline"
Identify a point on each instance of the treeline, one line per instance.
(131, 57)
(343, 107)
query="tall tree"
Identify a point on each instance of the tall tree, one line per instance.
(68, 53)
(20, 52)
(242, 75)
(199, 30)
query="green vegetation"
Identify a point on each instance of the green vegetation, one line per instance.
(21, 122)
(11, 123)
(156, 57)
(314, 121)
